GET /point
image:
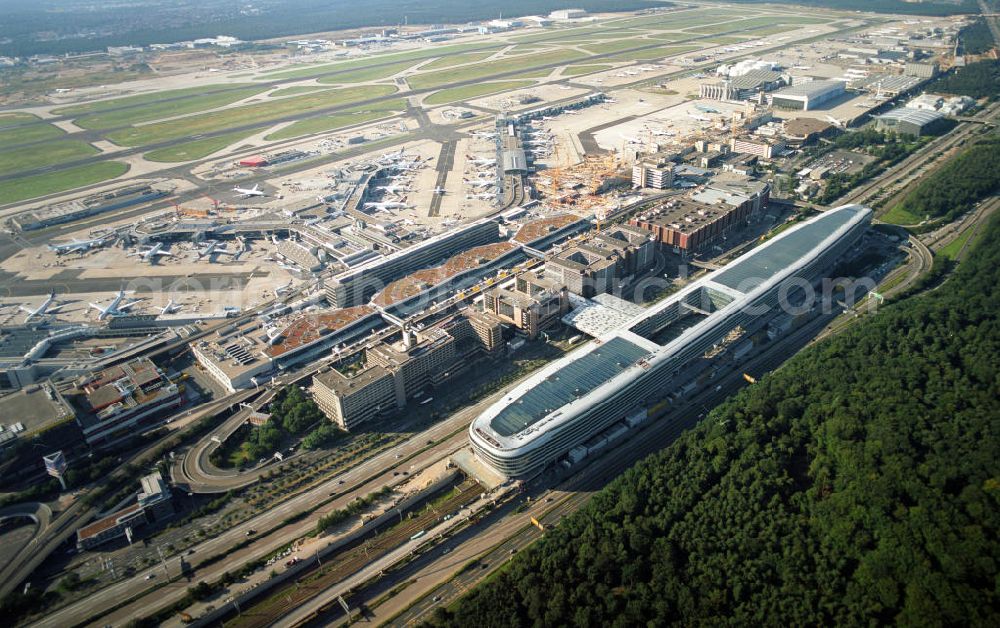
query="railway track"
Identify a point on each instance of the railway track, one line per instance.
(348, 562)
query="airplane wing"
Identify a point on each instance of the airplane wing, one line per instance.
(26, 309)
(124, 306)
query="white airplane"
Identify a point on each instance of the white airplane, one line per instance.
(387, 205)
(483, 161)
(43, 309)
(170, 307)
(481, 183)
(248, 192)
(538, 143)
(213, 248)
(115, 308)
(150, 254)
(631, 140)
(439, 190)
(483, 196)
(390, 157)
(393, 189)
(76, 246)
(695, 116)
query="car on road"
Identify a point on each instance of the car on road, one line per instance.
(150, 576)
(437, 598)
(251, 532)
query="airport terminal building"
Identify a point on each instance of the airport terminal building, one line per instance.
(617, 377)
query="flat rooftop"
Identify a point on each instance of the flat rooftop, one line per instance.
(760, 265)
(309, 327)
(419, 281)
(537, 229)
(684, 215)
(577, 378)
(35, 407)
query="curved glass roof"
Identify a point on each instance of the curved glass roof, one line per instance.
(780, 253)
(574, 380)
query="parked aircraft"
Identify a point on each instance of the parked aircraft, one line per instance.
(115, 308)
(481, 183)
(213, 248)
(77, 246)
(150, 254)
(483, 161)
(170, 307)
(387, 205)
(45, 308)
(393, 189)
(248, 192)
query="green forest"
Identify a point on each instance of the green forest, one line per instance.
(976, 80)
(858, 485)
(976, 38)
(955, 187)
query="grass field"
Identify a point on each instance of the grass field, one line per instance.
(140, 99)
(338, 120)
(447, 62)
(615, 46)
(899, 215)
(417, 55)
(297, 90)
(46, 154)
(952, 249)
(474, 91)
(556, 34)
(484, 70)
(363, 75)
(248, 114)
(16, 117)
(653, 53)
(29, 132)
(39, 185)
(166, 108)
(576, 70)
(757, 23)
(194, 150)
(678, 20)
(725, 40)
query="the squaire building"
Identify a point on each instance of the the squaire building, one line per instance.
(625, 372)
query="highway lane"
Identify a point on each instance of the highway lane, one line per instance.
(441, 580)
(420, 451)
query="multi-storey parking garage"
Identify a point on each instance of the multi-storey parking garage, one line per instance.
(626, 371)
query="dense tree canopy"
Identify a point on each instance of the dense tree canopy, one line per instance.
(858, 485)
(953, 189)
(976, 80)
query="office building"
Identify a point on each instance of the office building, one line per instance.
(598, 263)
(655, 174)
(123, 400)
(532, 305)
(611, 383)
(153, 504)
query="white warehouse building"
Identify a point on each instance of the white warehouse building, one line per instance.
(808, 95)
(622, 373)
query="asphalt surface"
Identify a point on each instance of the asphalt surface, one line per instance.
(492, 541)
(326, 111)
